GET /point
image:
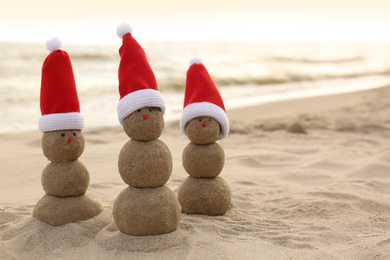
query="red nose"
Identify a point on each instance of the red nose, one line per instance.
(145, 116)
(204, 124)
(69, 139)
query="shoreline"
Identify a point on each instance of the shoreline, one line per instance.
(273, 107)
(316, 103)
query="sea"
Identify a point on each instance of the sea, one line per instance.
(246, 73)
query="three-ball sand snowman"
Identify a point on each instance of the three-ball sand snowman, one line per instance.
(203, 121)
(146, 206)
(65, 179)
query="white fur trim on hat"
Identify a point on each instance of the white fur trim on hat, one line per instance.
(196, 60)
(123, 29)
(199, 109)
(61, 121)
(139, 99)
(53, 44)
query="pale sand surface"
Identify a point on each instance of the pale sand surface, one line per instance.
(321, 195)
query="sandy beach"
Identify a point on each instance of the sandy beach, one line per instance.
(324, 194)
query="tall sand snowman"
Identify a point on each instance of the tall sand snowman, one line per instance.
(203, 121)
(146, 207)
(65, 179)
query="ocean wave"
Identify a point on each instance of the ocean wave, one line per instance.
(318, 61)
(93, 56)
(233, 65)
(240, 70)
(179, 83)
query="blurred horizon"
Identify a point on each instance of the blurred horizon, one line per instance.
(255, 51)
(245, 74)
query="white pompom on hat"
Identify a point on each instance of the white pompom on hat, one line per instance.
(123, 29)
(137, 82)
(59, 100)
(53, 44)
(202, 98)
(196, 60)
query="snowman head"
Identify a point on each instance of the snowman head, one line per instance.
(144, 124)
(63, 145)
(203, 130)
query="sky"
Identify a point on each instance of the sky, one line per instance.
(78, 21)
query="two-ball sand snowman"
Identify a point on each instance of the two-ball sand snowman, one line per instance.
(65, 179)
(146, 206)
(203, 121)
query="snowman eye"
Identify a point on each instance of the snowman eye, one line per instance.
(139, 110)
(62, 135)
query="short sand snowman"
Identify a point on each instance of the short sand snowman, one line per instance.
(203, 121)
(65, 179)
(146, 207)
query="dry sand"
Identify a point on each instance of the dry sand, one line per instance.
(320, 195)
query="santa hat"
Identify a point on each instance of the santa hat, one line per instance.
(202, 98)
(137, 83)
(59, 101)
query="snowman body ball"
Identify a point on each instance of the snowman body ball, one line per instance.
(65, 179)
(146, 206)
(203, 121)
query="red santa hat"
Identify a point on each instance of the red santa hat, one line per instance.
(202, 98)
(59, 101)
(137, 83)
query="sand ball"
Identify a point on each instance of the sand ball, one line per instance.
(203, 160)
(63, 179)
(58, 211)
(296, 128)
(148, 211)
(145, 164)
(203, 130)
(206, 196)
(63, 145)
(144, 124)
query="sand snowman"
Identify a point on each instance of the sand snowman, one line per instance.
(65, 179)
(203, 121)
(146, 207)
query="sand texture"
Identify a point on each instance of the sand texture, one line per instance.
(203, 160)
(145, 164)
(58, 211)
(146, 211)
(206, 196)
(64, 179)
(320, 195)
